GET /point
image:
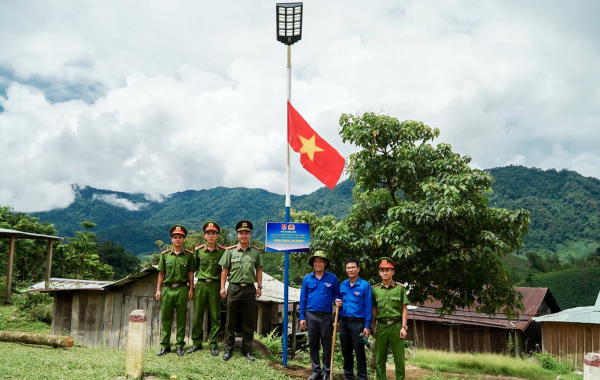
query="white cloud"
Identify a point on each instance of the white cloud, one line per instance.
(115, 200)
(155, 98)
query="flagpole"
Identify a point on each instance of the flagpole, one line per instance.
(288, 204)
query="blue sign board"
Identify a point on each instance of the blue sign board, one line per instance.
(287, 237)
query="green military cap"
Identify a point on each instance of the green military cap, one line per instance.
(385, 262)
(178, 229)
(320, 254)
(244, 225)
(211, 226)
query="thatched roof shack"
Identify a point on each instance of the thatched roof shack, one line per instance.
(574, 332)
(96, 313)
(469, 331)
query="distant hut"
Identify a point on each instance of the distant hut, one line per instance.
(469, 331)
(96, 313)
(572, 332)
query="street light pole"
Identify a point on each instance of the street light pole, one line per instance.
(289, 31)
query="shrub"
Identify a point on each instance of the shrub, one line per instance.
(36, 306)
(550, 362)
(273, 341)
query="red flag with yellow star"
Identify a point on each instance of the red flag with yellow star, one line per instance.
(316, 155)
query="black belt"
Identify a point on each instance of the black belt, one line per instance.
(319, 312)
(353, 319)
(176, 285)
(389, 321)
(242, 284)
(207, 280)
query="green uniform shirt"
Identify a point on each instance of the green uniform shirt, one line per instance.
(242, 264)
(176, 267)
(207, 262)
(389, 301)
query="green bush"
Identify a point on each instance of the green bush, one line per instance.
(272, 341)
(36, 306)
(550, 362)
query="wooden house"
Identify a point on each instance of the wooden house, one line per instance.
(574, 332)
(96, 313)
(469, 331)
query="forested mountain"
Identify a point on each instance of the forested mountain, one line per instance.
(565, 215)
(133, 221)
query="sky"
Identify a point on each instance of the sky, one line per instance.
(157, 97)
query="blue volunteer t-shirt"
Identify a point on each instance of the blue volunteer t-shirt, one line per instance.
(318, 295)
(356, 300)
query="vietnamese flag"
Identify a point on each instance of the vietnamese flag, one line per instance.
(316, 155)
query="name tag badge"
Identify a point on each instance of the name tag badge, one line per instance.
(169, 262)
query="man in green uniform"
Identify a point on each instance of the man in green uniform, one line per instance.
(207, 288)
(176, 268)
(243, 264)
(391, 312)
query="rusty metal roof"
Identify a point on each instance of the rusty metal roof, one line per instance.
(532, 300)
(6, 233)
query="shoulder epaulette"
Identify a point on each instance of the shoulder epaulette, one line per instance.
(397, 283)
(188, 251)
(376, 285)
(233, 246)
(222, 247)
(253, 246)
(198, 247)
(167, 251)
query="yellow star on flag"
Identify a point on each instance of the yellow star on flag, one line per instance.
(309, 147)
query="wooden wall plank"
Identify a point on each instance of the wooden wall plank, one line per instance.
(108, 334)
(57, 315)
(75, 318)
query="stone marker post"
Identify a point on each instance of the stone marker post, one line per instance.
(591, 366)
(134, 366)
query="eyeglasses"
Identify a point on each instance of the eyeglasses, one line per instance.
(348, 268)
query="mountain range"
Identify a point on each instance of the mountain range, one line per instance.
(565, 214)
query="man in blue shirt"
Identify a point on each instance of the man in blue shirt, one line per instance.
(320, 289)
(356, 319)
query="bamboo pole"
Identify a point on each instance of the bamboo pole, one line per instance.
(335, 326)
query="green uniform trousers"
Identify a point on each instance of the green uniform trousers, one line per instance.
(173, 299)
(240, 299)
(207, 295)
(389, 336)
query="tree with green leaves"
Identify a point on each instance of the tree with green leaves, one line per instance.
(425, 207)
(30, 255)
(84, 249)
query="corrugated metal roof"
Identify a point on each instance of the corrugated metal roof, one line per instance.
(586, 314)
(272, 288)
(6, 233)
(67, 284)
(532, 299)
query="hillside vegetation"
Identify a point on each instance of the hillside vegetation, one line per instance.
(565, 214)
(570, 287)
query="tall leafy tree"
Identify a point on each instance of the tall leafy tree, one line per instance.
(84, 249)
(425, 207)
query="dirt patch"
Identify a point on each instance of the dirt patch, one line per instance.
(293, 371)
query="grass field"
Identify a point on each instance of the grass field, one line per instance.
(12, 320)
(486, 364)
(22, 361)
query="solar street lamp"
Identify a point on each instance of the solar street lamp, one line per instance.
(289, 22)
(289, 31)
